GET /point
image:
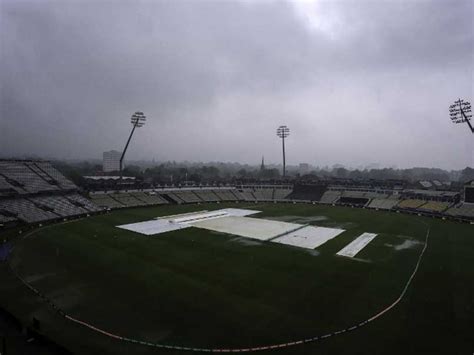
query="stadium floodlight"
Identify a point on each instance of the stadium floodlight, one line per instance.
(460, 112)
(283, 132)
(137, 120)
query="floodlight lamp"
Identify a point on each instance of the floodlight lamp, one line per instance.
(138, 119)
(283, 131)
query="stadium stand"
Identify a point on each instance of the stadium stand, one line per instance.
(246, 195)
(188, 196)
(4, 219)
(34, 191)
(435, 206)
(281, 194)
(353, 201)
(32, 177)
(171, 197)
(307, 192)
(27, 211)
(411, 204)
(22, 179)
(126, 199)
(105, 200)
(225, 195)
(263, 194)
(5, 188)
(58, 205)
(149, 198)
(80, 201)
(267, 193)
(330, 196)
(353, 198)
(378, 195)
(207, 195)
(383, 204)
(48, 173)
(237, 196)
(462, 210)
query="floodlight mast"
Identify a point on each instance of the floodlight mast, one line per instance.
(460, 112)
(138, 120)
(283, 132)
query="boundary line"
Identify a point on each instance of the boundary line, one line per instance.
(228, 350)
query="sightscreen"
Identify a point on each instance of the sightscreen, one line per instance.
(469, 197)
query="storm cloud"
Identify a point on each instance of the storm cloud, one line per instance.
(357, 82)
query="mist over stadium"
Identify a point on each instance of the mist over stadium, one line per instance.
(236, 176)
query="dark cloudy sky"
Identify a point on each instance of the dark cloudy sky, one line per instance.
(357, 81)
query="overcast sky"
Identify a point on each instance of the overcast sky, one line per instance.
(357, 82)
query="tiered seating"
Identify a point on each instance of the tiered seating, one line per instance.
(26, 210)
(127, 199)
(34, 191)
(409, 203)
(5, 188)
(60, 205)
(48, 169)
(435, 206)
(264, 194)
(280, 194)
(330, 196)
(173, 197)
(105, 200)
(80, 201)
(245, 195)
(382, 203)
(353, 198)
(6, 219)
(225, 195)
(187, 196)
(307, 192)
(148, 198)
(259, 195)
(463, 210)
(237, 195)
(378, 195)
(24, 180)
(207, 195)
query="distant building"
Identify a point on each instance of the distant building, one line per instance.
(111, 161)
(262, 166)
(304, 168)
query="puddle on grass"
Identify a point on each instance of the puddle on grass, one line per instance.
(407, 244)
(313, 252)
(338, 225)
(246, 241)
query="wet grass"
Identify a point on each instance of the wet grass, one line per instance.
(199, 288)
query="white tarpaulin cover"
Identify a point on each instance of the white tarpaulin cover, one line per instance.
(356, 245)
(255, 228)
(309, 237)
(154, 226)
(174, 222)
(234, 221)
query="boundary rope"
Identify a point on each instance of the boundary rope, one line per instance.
(229, 350)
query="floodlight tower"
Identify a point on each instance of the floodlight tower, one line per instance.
(460, 112)
(138, 120)
(283, 132)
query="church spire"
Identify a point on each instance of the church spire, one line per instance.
(262, 167)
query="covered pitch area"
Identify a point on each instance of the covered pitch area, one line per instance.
(198, 288)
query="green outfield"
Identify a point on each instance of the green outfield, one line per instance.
(198, 288)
